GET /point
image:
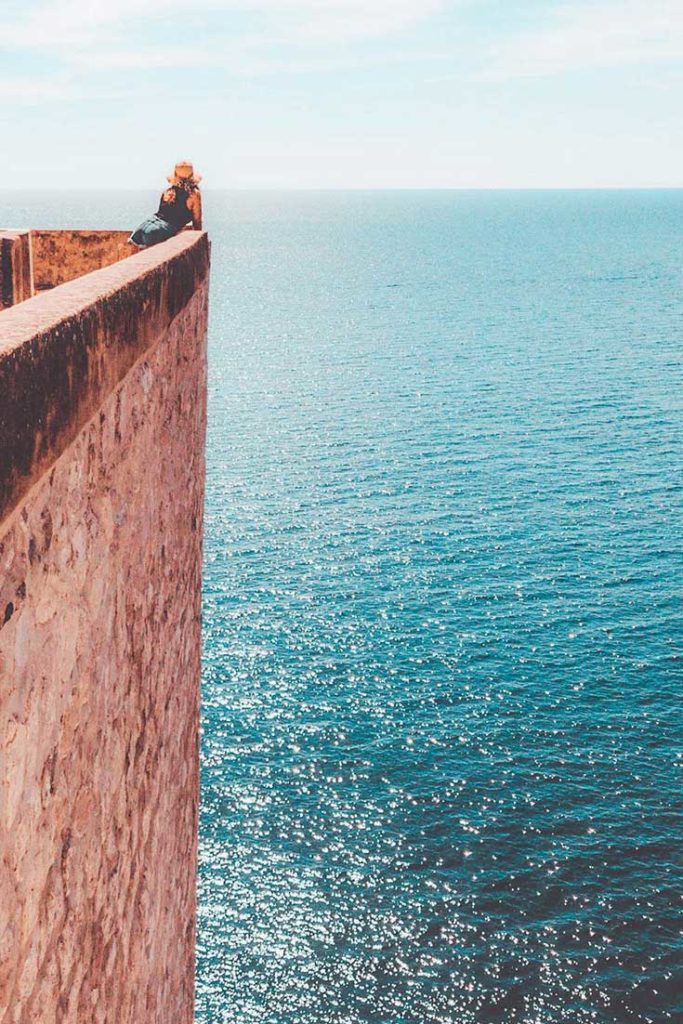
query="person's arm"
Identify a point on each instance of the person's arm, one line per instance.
(194, 205)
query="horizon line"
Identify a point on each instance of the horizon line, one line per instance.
(358, 188)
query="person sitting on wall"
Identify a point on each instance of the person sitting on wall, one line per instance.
(180, 205)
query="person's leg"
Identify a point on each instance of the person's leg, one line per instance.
(151, 232)
(142, 236)
(137, 238)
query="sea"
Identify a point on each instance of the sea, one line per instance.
(442, 750)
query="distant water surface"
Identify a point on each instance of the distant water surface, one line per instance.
(443, 737)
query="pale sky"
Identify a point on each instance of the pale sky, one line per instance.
(342, 93)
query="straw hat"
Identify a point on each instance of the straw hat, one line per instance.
(184, 171)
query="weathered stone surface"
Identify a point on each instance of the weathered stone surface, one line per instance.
(60, 256)
(100, 566)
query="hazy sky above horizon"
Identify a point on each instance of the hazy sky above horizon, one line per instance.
(342, 93)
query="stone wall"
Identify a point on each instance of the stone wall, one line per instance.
(16, 276)
(36, 260)
(60, 256)
(101, 495)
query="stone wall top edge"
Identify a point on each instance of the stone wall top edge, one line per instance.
(73, 232)
(79, 231)
(64, 351)
(49, 309)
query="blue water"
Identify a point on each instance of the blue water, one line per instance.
(442, 740)
(443, 747)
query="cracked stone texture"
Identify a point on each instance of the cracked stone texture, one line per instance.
(100, 570)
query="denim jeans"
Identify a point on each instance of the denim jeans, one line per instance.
(152, 231)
